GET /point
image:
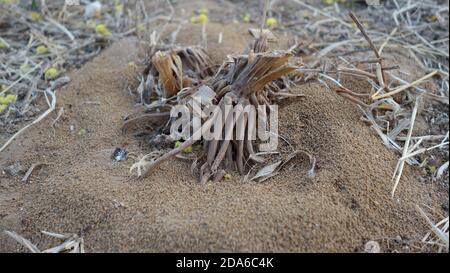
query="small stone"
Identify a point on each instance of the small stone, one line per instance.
(119, 154)
(15, 169)
(445, 206)
(372, 247)
(93, 10)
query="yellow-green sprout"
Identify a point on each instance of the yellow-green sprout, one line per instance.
(51, 73)
(227, 176)
(271, 22)
(132, 65)
(202, 11)
(5, 100)
(101, 29)
(200, 19)
(246, 18)
(35, 16)
(187, 150)
(41, 50)
(430, 169)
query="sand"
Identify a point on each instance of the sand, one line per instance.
(80, 190)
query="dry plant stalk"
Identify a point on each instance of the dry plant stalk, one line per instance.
(241, 83)
(440, 230)
(255, 79)
(170, 70)
(72, 243)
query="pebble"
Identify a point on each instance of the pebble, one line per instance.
(15, 169)
(372, 247)
(93, 10)
(119, 154)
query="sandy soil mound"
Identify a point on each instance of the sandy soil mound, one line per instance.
(82, 191)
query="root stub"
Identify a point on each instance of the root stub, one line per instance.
(255, 79)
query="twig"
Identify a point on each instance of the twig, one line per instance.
(46, 113)
(73, 243)
(21, 77)
(401, 163)
(30, 170)
(363, 32)
(404, 87)
(61, 27)
(380, 50)
(60, 113)
(23, 241)
(266, 8)
(442, 236)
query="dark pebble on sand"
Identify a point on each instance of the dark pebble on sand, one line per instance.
(119, 154)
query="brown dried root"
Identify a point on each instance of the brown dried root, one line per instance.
(172, 70)
(169, 72)
(196, 62)
(239, 82)
(256, 79)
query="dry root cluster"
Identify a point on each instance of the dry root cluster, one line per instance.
(258, 78)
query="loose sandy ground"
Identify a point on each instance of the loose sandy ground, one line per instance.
(80, 190)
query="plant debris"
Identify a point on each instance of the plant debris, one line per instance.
(72, 243)
(15, 169)
(40, 42)
(257, 78)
